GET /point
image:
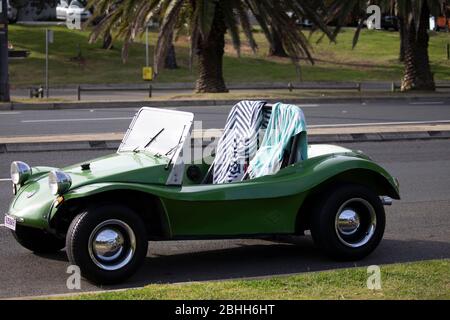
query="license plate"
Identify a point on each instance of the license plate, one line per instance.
(10, 223)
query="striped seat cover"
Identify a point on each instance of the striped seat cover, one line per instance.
(239, 141)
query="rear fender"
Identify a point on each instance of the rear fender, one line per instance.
(353, 170)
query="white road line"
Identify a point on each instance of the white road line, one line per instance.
(5, 179)
(311, 126)
(2, 225)
(9, 113)
(425, 102)
(377, 123)
(78, 120)
(308, 105)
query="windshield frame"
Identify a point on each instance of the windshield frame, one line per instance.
(176, 127)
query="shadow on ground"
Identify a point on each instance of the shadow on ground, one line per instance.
(284, 257)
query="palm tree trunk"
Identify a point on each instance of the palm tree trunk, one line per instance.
(276, 46)
(401, 27)
(418, 74)
(210, 56)
(171, 59)
(273, 37)
(107, 41)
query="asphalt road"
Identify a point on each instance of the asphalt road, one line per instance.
(417, 229)
(38, 122)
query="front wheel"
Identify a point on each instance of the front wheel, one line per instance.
(37, 240)
(107, 242)
(349, 223)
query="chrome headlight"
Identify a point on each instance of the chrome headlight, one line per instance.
(59, 182)
(20, 172)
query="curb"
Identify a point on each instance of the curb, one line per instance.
(192, 103)
(59, 296)
(313, 138)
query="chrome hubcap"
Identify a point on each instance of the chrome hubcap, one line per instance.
(355, 222)
(348, 222)
(112, 245)
(108, 244)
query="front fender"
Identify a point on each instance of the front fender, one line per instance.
(98, 188)
(95, 188)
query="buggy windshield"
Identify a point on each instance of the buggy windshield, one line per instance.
(160, 132)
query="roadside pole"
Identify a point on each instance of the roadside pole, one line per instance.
(147, 60)
(4, 81)
(147, 71)
(48, 39)
(46, 63)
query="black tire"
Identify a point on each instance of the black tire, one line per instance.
(37, 240)
(91, 223)
(334, 235)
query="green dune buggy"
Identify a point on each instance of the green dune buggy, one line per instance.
(104, 211)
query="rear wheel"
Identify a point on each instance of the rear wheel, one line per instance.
(108, 243)
(37, 240)
(349, 223)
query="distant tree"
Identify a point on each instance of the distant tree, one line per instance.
(414, 17)
(207, 22)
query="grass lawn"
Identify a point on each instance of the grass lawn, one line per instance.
(417, 280)
(375, 58)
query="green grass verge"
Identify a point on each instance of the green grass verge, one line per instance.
(375, 58)
(296, 94)
(417, 280)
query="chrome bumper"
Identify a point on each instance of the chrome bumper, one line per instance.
(386, 201)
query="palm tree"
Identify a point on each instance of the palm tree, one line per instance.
(207, 22)
(414, 16)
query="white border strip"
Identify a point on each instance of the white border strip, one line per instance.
(367, 124)
(76, 120)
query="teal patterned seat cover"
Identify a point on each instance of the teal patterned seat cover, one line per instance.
(286, 121)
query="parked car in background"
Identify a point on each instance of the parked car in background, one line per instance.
(442, 23)
(305, 23)
(61, 9)
(78, 8)
(387, 23)
(12, 13)
(72, 10)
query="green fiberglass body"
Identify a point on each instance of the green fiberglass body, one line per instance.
(105, 210)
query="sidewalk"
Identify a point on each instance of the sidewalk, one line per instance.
(332, 134)
(181, 94)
